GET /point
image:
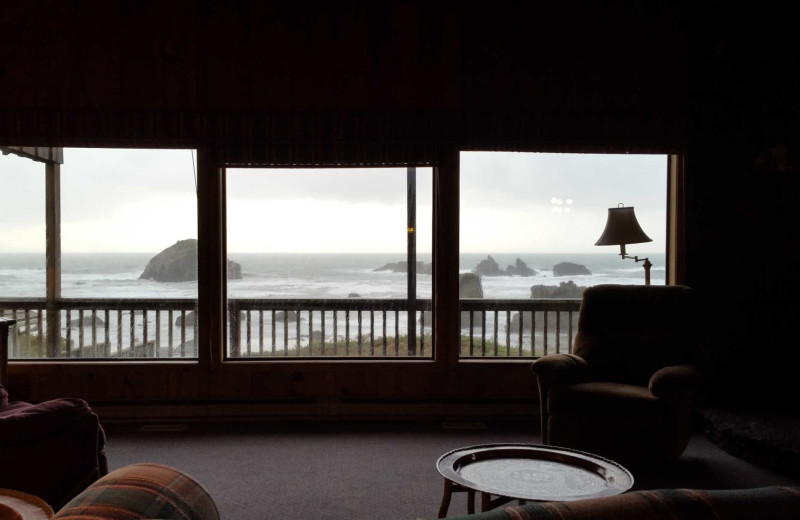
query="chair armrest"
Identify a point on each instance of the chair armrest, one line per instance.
(142, 490)
(677, 380)
(561, 369)
(556, 370)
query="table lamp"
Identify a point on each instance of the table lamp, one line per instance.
(622, 228)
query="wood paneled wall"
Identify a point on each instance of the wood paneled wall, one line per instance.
(192, 73)
(293, 81)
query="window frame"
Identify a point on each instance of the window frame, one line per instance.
(327, 387)
(412, 301)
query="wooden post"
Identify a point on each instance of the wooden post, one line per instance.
(211, 264)
(53, 258)
(5, 323)
(446, 315)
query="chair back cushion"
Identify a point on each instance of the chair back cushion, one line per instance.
(627, 332)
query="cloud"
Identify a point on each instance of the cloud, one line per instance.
(138, 199)
(591, 181)
(350, 185)
(96, 182)
(23, 182)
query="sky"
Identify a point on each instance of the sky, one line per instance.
(144, 201)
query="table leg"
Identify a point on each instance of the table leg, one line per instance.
(486, 501)
(470, 501)
(448, 493)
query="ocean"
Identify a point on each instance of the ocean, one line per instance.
(280, 276)
(116, 275)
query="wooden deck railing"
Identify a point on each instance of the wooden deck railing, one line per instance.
(518, 328)
(353, 327)
(101, 328)
(281, 328)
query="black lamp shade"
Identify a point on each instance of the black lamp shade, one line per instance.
(622, 228)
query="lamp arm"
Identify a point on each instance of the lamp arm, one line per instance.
(635, 258)
(647, 265)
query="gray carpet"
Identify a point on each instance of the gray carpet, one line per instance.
(767, 437)
(341, 470)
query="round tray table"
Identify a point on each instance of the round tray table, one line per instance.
(527, 472)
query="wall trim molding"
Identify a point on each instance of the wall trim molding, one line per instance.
(320, 409)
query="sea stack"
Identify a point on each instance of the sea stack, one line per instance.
(570, 269)
(178, 263)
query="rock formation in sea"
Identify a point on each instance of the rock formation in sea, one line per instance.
(178, 263)
(291, 316)
(519, 269)
(87, 322)
(190, 318)
(470, 286)
(490, 267)
(570, 269)
(562, 290)
(513, 326)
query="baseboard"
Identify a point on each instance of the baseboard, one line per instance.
(322, 409)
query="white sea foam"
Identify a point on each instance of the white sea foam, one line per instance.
(301, 276)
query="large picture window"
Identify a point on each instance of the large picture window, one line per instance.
(126, 284)
(528, 225)
(329, 263)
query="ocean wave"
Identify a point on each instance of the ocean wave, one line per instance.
(310, 276)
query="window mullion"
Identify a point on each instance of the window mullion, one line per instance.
(411, 204)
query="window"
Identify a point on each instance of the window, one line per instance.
(528, 224)
(318, 262)
(118, 210)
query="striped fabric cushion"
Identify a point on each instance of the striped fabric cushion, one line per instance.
(146, 490)
(772, 502)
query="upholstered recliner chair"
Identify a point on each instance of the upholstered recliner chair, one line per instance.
(52, 450)
(626, 392)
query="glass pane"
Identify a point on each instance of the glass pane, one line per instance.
(22, 234)
(528, 225)
(119, 209)
(319, 262)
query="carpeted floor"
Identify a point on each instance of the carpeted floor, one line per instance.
(767, 437)
(344, 470)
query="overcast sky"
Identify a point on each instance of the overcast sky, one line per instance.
(144, 201)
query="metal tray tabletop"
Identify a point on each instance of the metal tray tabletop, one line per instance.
(534, 472)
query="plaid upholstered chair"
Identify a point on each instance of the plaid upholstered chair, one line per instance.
(626, 391)
(143, 490)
